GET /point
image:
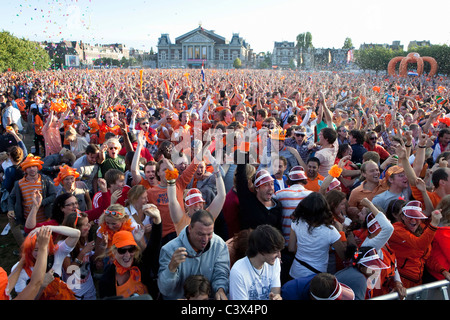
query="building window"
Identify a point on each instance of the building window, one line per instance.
(204, 55)
(163, 55)
(221, 55)
(190, 53)
(197, 53)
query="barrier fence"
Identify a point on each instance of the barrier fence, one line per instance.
(439, 290)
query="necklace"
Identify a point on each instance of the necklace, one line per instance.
(258, 273)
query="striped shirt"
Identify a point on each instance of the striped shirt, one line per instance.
(289, 199)
(27, 189)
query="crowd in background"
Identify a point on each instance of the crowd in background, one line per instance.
(224, 184)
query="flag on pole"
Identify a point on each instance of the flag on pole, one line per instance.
(203, 73)
(349, 56)
(329, 56)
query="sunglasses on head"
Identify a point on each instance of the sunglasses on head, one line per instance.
(125, 250)
(113, 213)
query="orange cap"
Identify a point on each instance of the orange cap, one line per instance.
(123, 238)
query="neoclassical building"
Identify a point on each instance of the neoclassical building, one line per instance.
(203, 46)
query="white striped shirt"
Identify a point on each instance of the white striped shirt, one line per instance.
(289, 199)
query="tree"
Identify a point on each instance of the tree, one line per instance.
(348, 43)
(237, 63)
(21, 55)
(304, 40)
(301, 41)
(308, 40)
(376, 58)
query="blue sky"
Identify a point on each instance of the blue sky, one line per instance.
(139, 23)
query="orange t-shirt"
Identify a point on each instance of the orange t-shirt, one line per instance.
(38, 124)
(313, 185)
(104, 129)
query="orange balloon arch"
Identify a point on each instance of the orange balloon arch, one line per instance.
(412, 57)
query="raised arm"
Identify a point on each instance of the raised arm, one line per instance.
(135, 172)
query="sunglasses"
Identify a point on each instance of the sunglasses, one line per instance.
(144, 123)
(198, 254)
(299, 135)
(125, 250)
(113, 148)
(113, 213)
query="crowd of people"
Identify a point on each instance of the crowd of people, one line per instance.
(235, 184)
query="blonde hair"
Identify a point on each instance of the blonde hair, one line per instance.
(114, 207)
(114, 141)
(134, 193)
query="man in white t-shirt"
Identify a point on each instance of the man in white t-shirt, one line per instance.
(12, 115)
(257, 276)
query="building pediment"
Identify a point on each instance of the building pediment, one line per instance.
(197, 38)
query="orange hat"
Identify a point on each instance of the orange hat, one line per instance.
(31, 161)
(121, 109)
(393, 170)
(123, 238)
(65, 171)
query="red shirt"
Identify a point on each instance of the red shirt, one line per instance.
(378, 149)
(102, 200)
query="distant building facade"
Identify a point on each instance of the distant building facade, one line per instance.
(199, 46)
(283, 53)
(86, 53)
(424, 43)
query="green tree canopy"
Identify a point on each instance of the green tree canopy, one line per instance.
(347, 43)
(376, 58)
(237, 63)
(304, 40)
(21, 55)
